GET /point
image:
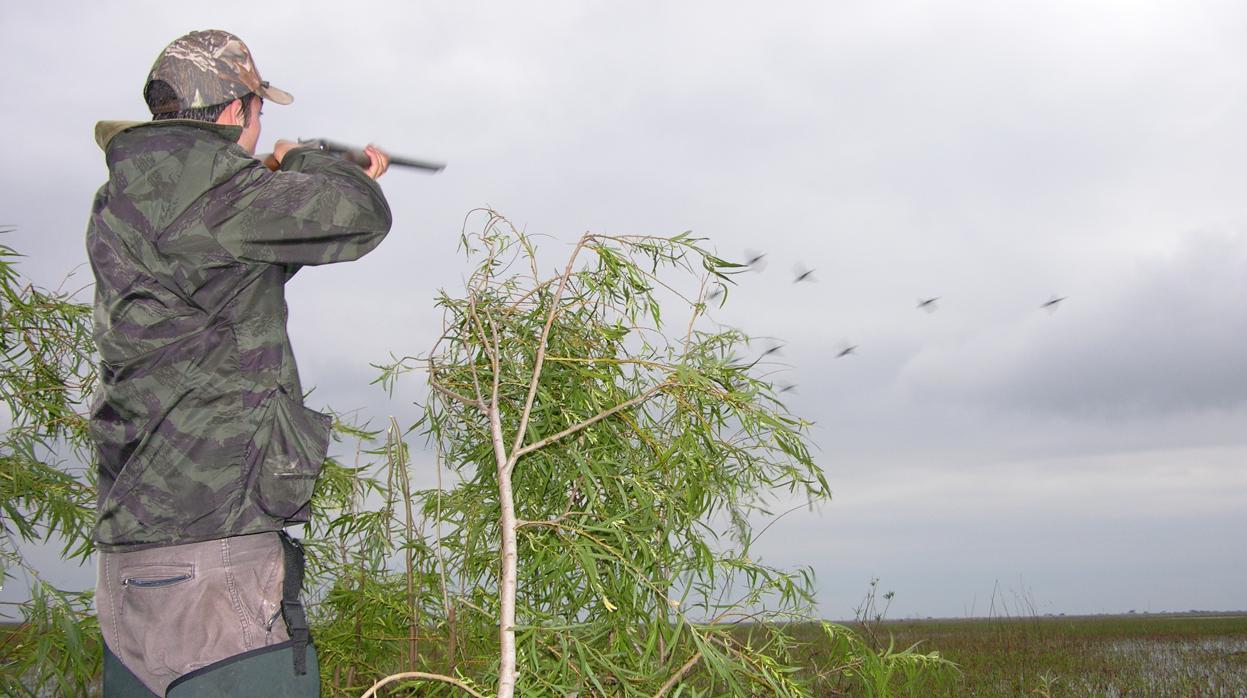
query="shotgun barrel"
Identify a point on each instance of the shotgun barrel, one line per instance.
(359, 157)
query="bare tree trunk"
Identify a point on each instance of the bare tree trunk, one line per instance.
(413, 643)
(506, 621)
(452, 631)
(453, 641)
(506, 589)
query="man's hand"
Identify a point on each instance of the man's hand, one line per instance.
(273, 160)
(380, 161)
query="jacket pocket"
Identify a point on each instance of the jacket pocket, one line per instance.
(292, 457)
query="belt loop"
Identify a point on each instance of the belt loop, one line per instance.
(291, 608)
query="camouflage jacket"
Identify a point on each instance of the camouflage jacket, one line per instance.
(199, 423)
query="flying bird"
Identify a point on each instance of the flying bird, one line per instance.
(787, 387)
(800, 273)
(715, 293)
(1051, 305)
(846, 351)
(928, 304)
(755, 260)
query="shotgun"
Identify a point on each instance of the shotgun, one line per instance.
(357, 155)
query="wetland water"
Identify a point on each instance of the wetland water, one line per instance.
(1139, 655)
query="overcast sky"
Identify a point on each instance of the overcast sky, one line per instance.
(1091, 459)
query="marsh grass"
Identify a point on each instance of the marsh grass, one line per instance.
(1145, 655)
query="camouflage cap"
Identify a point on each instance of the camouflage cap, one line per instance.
(206, 68)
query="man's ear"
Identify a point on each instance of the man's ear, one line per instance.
(232, 115)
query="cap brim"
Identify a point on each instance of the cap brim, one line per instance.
(276, 95)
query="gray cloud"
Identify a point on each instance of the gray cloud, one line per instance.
(1165, 338)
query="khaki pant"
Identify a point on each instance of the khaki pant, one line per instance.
(167, 611)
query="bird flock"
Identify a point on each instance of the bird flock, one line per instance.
(757, 262)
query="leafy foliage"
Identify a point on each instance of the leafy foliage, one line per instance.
(55, 650)
(46, 373)
(626, 452)
(875, 672)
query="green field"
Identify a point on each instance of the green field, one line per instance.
(1144, 655)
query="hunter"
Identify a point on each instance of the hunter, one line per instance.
(205, 452)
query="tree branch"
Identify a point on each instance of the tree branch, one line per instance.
(541, 349)
(450, 393)
(678, 675)
(419, 675)
(590, 421)
(476, 379)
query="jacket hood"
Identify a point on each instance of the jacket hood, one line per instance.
(105, 131)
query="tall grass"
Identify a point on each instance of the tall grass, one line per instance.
(1137, 655)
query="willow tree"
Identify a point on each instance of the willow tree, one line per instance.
(46, 375)
(612, 448)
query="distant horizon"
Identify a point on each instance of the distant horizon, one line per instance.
(906, 619)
